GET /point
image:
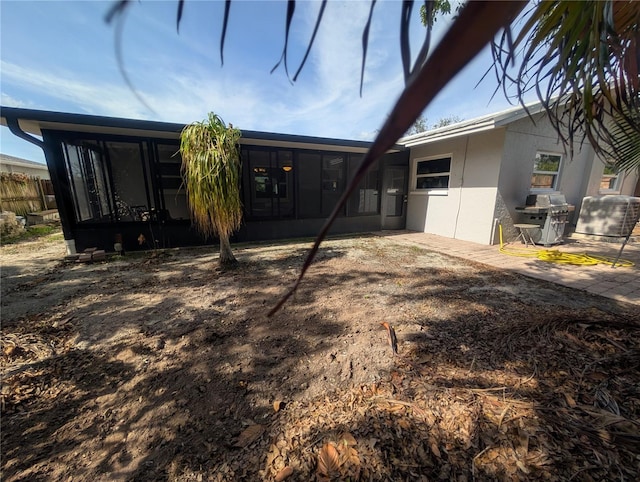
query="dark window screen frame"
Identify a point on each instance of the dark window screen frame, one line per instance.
(150, 208)
(432, 174)
(268, 183)
(365, 200)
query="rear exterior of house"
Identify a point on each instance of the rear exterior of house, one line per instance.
(119, 180)
(468, 178)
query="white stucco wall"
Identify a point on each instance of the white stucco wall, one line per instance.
(465, 211)
(580, 175)
(491, 175)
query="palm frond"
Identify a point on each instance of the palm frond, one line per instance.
(459, 46)
(581, 60)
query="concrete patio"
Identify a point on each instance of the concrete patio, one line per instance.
(619, 283)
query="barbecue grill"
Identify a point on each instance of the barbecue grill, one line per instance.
(550, 212)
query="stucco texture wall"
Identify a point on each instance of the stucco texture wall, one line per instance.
(522, 140)
(465, 211)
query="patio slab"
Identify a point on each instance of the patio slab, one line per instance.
(621, 283)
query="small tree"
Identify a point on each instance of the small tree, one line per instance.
(211, 173)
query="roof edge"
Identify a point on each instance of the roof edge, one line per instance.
(53, 117)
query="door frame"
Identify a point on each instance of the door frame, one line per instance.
(399, 160)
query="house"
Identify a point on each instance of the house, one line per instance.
(468, 177)
(12, 164)
(119, 178)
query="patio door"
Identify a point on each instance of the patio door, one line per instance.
(394, 197)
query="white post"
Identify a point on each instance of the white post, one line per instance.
(71, 246)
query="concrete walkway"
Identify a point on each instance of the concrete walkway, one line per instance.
(619, 283)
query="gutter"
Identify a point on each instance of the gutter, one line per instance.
(14, 126)
(449, 133)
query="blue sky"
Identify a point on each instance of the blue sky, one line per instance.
(60, 56)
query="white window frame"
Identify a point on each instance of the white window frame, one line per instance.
(415, 176)
(556, 182)
(617, 184)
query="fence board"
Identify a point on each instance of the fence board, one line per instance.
(22, 194)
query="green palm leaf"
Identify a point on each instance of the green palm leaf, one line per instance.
(581, 59)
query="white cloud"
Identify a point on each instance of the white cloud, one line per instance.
(93, 97)
(325, 100)
(7, 101)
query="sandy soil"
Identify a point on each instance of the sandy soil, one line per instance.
(159, 366)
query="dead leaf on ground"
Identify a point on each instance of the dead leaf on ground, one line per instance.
(348, 439)
(283, 474)
(434, 448)
(278, 405)
(328, 460)
(249, 435)
(570, 401)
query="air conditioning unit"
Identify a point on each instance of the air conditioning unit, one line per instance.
(608, 215)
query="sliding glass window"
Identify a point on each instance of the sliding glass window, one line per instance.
(88, 179)
(269, 193)
(365, 200)
(174, 195)
(110, 181)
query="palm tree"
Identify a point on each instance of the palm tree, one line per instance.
(211, 172)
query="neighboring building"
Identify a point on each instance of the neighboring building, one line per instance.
(467, 177)
(121, 178)
(30, 168)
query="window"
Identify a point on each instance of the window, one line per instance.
(270, 183)
(333, 173)
(433, 173)
(610, 180)
(174, 195)
(321, 180)
(309, 175)
(88, 181)
(129, 163)
(546, 169)
(365, 199)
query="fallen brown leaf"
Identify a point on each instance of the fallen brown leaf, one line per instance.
(391, 337)
(249, 435)
(328, 460)
(434, 448)
(283, 474)
(348, 439)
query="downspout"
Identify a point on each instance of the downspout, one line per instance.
(16, 130)
(14, 126)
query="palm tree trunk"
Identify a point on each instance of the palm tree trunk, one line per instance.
(226, 255)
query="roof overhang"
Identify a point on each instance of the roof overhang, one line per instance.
(473, 126)
(35, 121)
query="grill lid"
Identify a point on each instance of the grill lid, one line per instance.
(546, 200)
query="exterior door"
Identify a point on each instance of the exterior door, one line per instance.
(394, 197)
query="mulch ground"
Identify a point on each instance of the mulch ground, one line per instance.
(158, 366)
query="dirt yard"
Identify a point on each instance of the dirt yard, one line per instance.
(158, 366)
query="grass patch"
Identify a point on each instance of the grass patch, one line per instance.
(34, 232)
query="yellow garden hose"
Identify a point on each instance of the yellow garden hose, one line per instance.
(555, 256)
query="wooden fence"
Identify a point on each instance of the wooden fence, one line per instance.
(23, 194)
